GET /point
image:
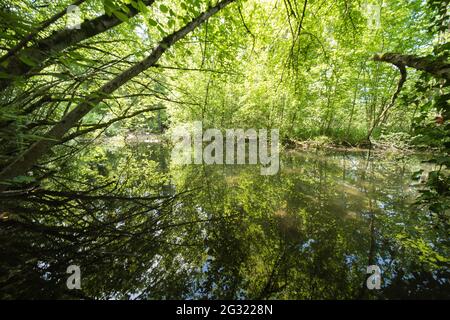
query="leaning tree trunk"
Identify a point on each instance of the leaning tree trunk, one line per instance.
(30, 157)
(21, 60)
(438, 68)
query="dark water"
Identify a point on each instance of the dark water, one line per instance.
(311, 231)
(308, 232)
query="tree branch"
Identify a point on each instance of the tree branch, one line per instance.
(22, 43)
(436, 67)
(57, 42)
(30, 157)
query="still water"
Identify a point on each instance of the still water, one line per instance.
(309, 232)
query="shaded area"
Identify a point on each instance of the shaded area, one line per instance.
(224, 232)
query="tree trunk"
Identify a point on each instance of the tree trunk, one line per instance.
(30, 157)
(42, 26)
(14, 66)
(382, 115)
(434, 66)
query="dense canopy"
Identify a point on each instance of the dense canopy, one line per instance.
(90, 91)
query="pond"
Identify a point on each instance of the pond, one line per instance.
(309, 232)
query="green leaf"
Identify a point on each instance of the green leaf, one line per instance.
(142, 7)
(120, 15)
(27, 60)
(109, 7)
(23, 179)
(163, 8)
(163, 32)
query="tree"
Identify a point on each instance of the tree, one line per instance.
(30, 157)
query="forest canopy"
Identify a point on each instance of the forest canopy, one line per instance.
(79, 75)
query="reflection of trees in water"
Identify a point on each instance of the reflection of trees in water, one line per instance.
(308, 232)
(323, 220)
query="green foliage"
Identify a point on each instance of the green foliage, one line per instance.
(303, 67)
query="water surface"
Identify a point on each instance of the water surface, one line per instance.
(227, 232)
(311, 231)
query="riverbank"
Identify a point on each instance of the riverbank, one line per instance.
(374, 146)
(321, 142)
